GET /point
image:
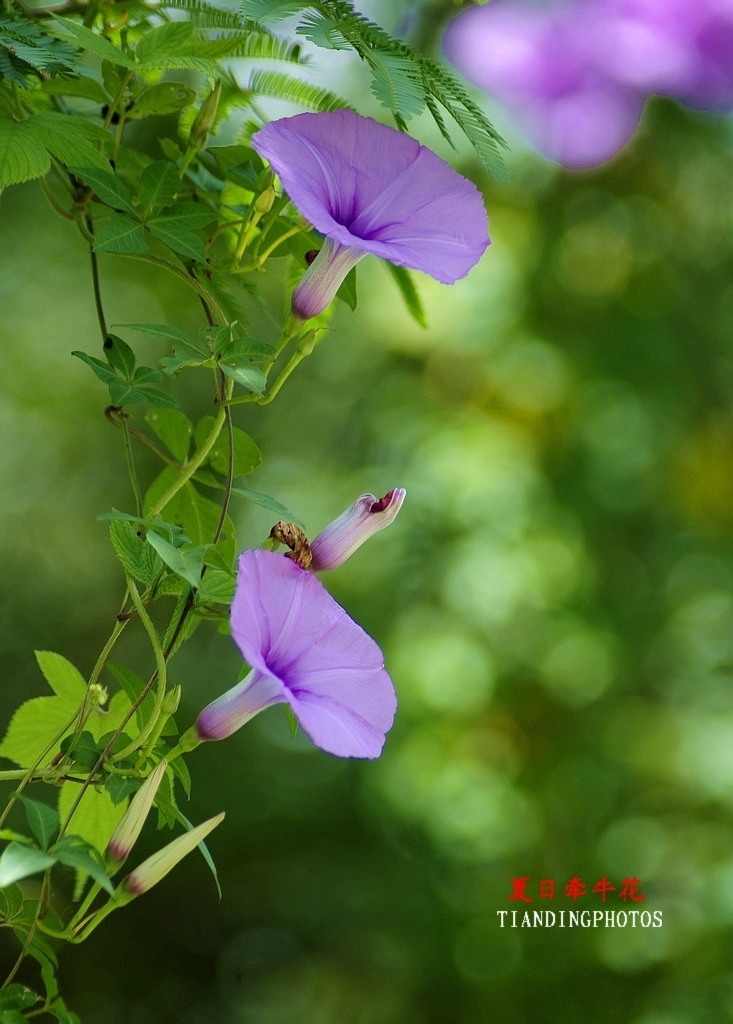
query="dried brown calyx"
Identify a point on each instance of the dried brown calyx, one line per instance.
(293, 537)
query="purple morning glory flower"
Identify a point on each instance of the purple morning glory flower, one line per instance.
(305, 651)
(370, 189)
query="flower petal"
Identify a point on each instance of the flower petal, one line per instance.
(332, 672)
(370, 187)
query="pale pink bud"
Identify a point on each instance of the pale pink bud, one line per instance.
(155, 868)
(126, 834)
(368, 515)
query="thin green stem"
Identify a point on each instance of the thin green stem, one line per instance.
(161, 672)
(193, 282)
(278, 241)
(54, 202)
(121, 92)
(196, 462)
(88, 900)
(134, 482)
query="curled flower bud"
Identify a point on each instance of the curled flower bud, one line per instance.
(126, 834)
(155, 868)
(368, 515)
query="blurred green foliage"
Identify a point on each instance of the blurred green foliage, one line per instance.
(555, 601)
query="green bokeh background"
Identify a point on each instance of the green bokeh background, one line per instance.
(555, 602)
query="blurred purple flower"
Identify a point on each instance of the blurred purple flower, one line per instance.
(576, 74)
(370, 189)
(534, 61)
(305, 651)
(367, 516)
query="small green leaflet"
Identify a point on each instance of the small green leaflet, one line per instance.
(122, 235)
(185, 563)
(93, 42)
(404, 281)
(43, 820)
(202, 847)
(74, 852)
(22, 154)
(18, 862)
(272, 10)
(136, 557)
(159, 184)
(242, 371)
(107, 187)
(16, 997)
(163, 98)
(264, 501)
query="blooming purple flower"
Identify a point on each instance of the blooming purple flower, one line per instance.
(305, 651)
(367, 516)
(370, 189)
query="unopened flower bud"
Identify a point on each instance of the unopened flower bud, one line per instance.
(205, 118)
(368, 515)
(126, 834)
(97, 695)
(264, 201)
(171, 701)
(155, 868)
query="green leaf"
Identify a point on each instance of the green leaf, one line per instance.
(165, 331)
(120, 356)
(159, 184)
(163, 98)
(12, 1017)
(74, 852)
(189, 216)
(186, 563)
(294, 90)
(133, 686)
(72, 139)
(174, 429)
(96, 817)
(242, 371)
(202, 847)
(217, 587)
(18, 862)
(292, 720)
(43, 820)
(93, 42)
(396, 83)
(85, 88)
(181, 772)
(122, 235)
(107, 187)
(102, 369)
(272, 10)
(175, 229)
(17, 997)
(84, 750)
(404, 281)
(11, 901)
(64, 678)
(22, 153)
(165, 801)
(119, 789)
(347, 290)
(165, 41)
(134, 554)
(264, 501)
(247, 455)
(144, 374)
(197, 515)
